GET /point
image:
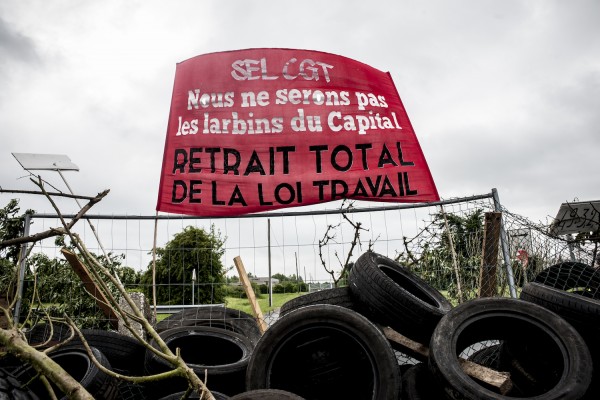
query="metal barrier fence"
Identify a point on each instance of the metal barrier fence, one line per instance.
(441, 242)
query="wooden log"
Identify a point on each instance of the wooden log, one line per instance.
(411, 348)
(262, 325)
(497, 379)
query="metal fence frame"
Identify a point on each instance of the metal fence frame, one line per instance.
(493, 195)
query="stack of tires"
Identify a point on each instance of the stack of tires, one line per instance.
(545, 356)
(331, 344)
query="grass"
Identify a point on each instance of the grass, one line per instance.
(244, 305)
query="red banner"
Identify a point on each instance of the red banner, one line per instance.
(261, 129)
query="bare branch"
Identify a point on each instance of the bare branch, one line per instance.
(55, 194)
(322, 243)
(54, 231)
(355, 241)
(345, 264)
(48, 387)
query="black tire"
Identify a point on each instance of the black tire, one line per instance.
(266, 394)
(325, 352)
(549, 350)
(12, 389)
(570, 276)
(490, 357)
(178, 395)
(78, 364)
(223, 354)
(391, 294)
(40, 334)
(125, 354)
(216, 317)
(583, 312)
(9, 362)
(336, 296)
(131, 391)
(418, 384)
(580, 311)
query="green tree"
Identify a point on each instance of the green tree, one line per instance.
(429, 253)
(283, 278)
(192, 249)
(11, 226)
(280, 277)
(62, 291)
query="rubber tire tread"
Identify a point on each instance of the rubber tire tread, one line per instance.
(40, 333)
(580, 311)
(178, 395)
(99, 384)
(398, 300)
(228, 377)
(337, 296)
(216, 317)
(266, 394)
(269, 368)
(12, 389)
(418, 384)
(571, 275)
(131, 391)
(485, 313)
(125, 354)
(490, 357)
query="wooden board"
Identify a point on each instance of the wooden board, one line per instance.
(83, 274)
(250, 294)
(500, 380)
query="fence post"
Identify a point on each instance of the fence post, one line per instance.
(269, 256)
(505, 250)
(22, 266)
(488, 284)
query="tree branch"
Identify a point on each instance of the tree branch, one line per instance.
(15, 344)
(55, 194)
(54, 231)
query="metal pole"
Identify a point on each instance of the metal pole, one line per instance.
(505, 251)
(22, 266)
(571, 247)
(306, 279)
(269, 246)
(154, 267)
(297, 277)
(193, 284)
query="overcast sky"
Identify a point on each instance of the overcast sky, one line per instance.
(501, 94)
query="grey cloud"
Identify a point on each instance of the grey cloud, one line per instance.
(16, 46)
